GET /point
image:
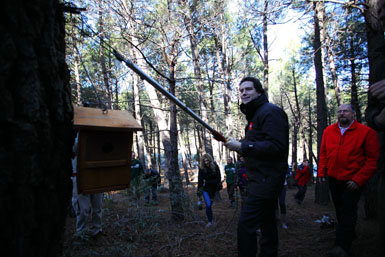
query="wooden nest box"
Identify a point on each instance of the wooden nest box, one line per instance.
(104, 149)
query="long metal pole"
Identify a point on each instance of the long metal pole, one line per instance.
(170, 96)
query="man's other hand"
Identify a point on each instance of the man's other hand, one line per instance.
(380, 118)
(378, 90)
(351, 185)
(233, 144)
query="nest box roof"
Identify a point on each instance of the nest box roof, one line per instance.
(92, 118)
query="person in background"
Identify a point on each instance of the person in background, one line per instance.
(152, 179)
(348, 156)
(85, 204)
(209, 177)
(241, 178)
(302, 178)
(230, 178)
(136, 178)
(265, 148)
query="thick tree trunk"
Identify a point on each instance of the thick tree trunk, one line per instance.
(36, 131)
(322, 192)
(375, 188)
(177, 196)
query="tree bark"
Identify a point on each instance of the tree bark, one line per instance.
(354, 91)
(190, 22)
(329, 52)
(322, 190)
(265, 50)
(36, 131)
(76, 63)
(375, 187)
(184, 158)
(310, 145)
(102, 58)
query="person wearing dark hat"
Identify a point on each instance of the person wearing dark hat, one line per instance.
(265, 149)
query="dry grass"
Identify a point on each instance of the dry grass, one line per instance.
(139, 230)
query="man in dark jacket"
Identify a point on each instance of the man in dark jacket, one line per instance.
(230, 177)
(265, 149)
(152, 180)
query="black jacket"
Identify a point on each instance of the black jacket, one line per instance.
(208, 180)
(152, 177)
(265, 146)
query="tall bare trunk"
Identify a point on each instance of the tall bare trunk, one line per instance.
(310, 125)
(102, 58)
(190, 22)
(322, 192)
(177, 196)
(376, 56)
(183, 152)
(265, 50)
(326, 39)
(353, 92)
(137, 116)
(76, 65)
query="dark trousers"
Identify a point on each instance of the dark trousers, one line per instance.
(258, 212)
(300, 195)
(209, 204)
(230, 191)
(152, 190)
(345, 202)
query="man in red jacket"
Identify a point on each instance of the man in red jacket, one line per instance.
(302, 177)
(348, 156)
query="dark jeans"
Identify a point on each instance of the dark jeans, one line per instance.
(300, 195)
(345, 202)
(257, 212)
(209, 204)
(243, 192)
(230, 191)
(152, 189)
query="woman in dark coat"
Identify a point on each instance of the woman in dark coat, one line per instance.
(209, 181)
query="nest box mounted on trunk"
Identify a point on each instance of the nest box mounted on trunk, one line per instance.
(104, 149)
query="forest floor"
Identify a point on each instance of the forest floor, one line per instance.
(142, 231)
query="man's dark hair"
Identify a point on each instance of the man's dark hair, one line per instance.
(256, 83)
